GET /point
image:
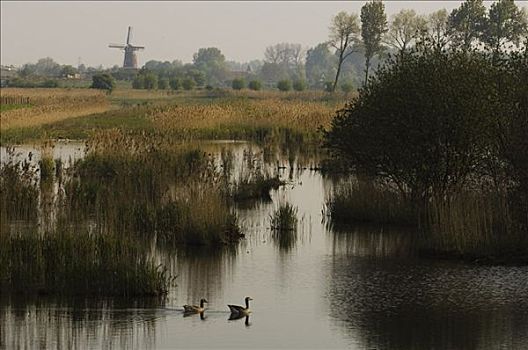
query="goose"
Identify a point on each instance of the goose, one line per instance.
(195, 309)
(240, 310)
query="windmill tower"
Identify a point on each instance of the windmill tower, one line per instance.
(130, 51)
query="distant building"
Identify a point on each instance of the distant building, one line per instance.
(7, 73)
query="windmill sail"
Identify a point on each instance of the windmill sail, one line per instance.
(130, 60)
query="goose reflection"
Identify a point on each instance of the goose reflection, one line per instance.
(234, 317)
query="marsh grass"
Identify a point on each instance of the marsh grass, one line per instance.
(46, 168)
(474, 223)
(19, 192)
(129, 185)
(471, 223)
(264, 117)
(65, 263)
(355, 200)
(283, 224)
(51, 105)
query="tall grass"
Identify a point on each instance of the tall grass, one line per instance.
(78, 264)
(472, 223)
(51, 105)
(19, 192)
(283, 223)
(355, 200)
(134, 186)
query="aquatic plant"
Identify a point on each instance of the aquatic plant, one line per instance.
(283, 223)
(355, 200)
(19, 192)
(77, 263)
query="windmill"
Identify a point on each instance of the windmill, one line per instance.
(130, 51)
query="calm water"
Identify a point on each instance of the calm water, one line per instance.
(359, 290)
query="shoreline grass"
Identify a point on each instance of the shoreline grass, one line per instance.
(65, 263)
(473, 225)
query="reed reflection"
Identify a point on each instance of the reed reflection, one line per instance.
(79, 323)
(372, 240)
(413, 304)
(201, 270)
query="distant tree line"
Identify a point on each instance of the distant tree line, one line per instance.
(355, 47)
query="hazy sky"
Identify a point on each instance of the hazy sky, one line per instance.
(69, 31)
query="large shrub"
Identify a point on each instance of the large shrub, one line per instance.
(255, 85)
(103, 81)
(426, 122)
(238, 84)
(299, 85)
(284, 85)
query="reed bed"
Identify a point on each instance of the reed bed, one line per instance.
(473, 223)
(283, 223)
(64, 263)
(19, 192)
(233, 114)
(131, 185)
(354, 200)
(50, 105)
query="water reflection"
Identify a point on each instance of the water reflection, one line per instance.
(200, 271)
(414, 304)
(79, 324)
(373, 241)
(234, 317)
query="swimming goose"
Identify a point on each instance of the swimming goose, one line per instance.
(240, 310)
(195, 309)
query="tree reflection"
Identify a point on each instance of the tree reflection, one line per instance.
(406, 304)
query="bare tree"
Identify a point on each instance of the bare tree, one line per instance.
(437, 27)
(405, 28)
(287, 55)
(344, 33)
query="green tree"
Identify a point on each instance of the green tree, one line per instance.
(238, 84)
(505, 24)
(344, 33)
(373, 27)
(138, 82)
(212, 63)
(68, 70)
(320, 64)
(103, 81)
(299, 85)
(424, 123)
(466, 23)
(175, 83)
(255, 85)
(284, 85)
(163, 83)
(273, 72)
(150, 80)
(188, 83)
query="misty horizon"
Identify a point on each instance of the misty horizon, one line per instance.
(170, 30)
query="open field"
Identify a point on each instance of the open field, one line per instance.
(50, 105)
(76, 114)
